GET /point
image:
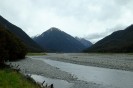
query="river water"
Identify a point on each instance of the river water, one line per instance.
(111, 77)
(48, 81)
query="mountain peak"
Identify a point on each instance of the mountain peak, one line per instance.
(54, 29)
(51, 30)
(55, 40)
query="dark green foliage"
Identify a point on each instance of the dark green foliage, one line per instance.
(30, 44)
(119, 42)
(11, 48)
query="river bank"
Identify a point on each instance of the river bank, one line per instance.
(32, 66)
(12, 79)
(38, 65)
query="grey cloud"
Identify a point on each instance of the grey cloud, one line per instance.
(87, 16)
(122, 2)
(97, 36)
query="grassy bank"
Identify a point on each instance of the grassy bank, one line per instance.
(36, 54)
(12, 79)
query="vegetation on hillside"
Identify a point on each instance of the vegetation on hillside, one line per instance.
(118, 42)
(11, 48)
(31, 45)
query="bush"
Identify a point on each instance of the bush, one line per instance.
(11, 48)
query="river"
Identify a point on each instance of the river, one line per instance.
(104, 76)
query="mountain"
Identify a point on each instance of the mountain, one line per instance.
(120, 41)
(84, 41)
(11, 48)
(55, 40)
(31, 45)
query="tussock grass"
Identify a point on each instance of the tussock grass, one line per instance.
(12, 79)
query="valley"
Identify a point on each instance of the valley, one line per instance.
(66, 44)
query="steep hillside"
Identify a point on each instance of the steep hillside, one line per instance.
(11, 48)
(119, 41)
(31, 45)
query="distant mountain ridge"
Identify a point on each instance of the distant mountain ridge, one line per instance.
(31, 45)
(55, 40)
(119, 41)
(84, 42)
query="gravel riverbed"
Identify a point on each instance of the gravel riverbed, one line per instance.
(115, 61)
(112, 61)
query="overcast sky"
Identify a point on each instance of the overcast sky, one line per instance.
(92, 19)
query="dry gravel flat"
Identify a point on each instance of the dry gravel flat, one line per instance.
(113, 61)
(31, 66)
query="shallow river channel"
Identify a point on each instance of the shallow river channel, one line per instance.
(111, 77)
